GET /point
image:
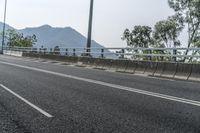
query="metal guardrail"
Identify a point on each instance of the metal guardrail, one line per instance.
(163, 54)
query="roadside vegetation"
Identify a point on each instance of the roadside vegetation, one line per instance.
(166, 33)
(16, 39)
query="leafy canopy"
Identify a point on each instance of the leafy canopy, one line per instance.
(140, 36)
(15, 39)
(166, 32)
(190, 10)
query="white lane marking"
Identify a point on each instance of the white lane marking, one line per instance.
(148, 93)
(27, 102)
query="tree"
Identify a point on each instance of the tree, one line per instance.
(197, 41)
(139, 37)
(190, 11)
(12, 37)
(15, 39)
(166, 32)
(28, 41)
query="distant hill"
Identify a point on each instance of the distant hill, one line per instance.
(50, 37)
(1, 29)
(63, 37)
(7, 27)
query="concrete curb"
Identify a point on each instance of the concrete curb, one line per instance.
(131, 67)
(183, 71)
(159, 69)
(99, 64)
(169, 70)
(195, 72)
(142, 66)
(151, 69)
(123, 64)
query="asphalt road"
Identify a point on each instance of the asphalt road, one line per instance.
(44, 97)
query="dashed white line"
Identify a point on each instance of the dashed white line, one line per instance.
(148, 93)
(27, 102)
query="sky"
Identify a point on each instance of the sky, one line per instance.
(111, 17)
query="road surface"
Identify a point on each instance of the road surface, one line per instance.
(39, 96)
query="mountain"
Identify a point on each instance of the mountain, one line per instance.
(1, 29)
(63, 37)
(7, 27)
(49, 37)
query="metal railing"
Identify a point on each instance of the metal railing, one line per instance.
(153, 54)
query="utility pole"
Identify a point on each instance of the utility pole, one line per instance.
(89, 38)
(4, 26)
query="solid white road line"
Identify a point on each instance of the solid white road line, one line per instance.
(27, 102)
(148, 93)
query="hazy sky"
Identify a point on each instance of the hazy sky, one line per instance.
(111, 17)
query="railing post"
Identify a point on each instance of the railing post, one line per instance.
(74, 52)
(174, 53)
(102, 53)
(51, 51)
(150, 57)
(66, 52)
(162, 58)
(45, 50)
(88, 52)
(123, 52)
(35, 50)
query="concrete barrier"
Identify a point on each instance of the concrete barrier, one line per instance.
(87, 61)
(160, 69)
(131, 67)
(115, 65)
(169, 70)
(119, 65)
(31, 55)
(103, 64)
(107, 64)
(13, 53)
(141, 67)
(195, 73)
(122, 66)
(91, 61)
(71, 59)
(183, 71)
(99, 64)
(151, 69)
(84, 61)
(53, 57)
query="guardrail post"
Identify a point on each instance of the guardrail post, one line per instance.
(174, 53)
(123, 52)
(162, 58)
(51, 50)
(66, 50)
(74, 52)
(45, 50)
(150, 57)
(102, 53)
